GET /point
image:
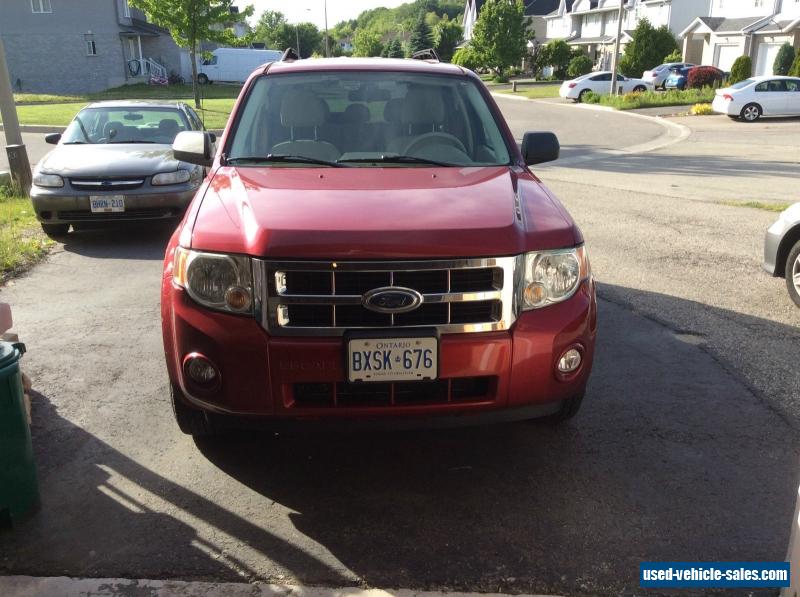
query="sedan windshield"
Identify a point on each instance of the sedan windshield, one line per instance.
(366, 119)
(101, 125)
(743, 84)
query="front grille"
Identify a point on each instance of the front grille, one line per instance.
(153, 213)
(326, 298)
(415, 393)
(100, 185)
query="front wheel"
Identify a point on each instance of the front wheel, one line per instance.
(203, 79)
(751, 112)
(190, 420)
(793, 273)
(56, 231)
(639, 89)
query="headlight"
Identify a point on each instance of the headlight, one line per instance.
(48, 180)
(165, 178)
(552, 276)
(214, 280)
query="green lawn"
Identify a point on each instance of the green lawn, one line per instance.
(765, 205)
(535, 91)
(22, 242)
(653, 99)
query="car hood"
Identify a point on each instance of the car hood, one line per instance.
(379, 213)
(125, 159)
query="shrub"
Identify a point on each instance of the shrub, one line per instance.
(632, 96)
(647, 49)
(783, 61)
(703, 76)
(467, 57)
(702, 110)
(580, 65)
(675, 56)
(795, 70)
(556, 54)
(742, 69)
(591, 98)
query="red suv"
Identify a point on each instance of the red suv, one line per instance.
(370, 249)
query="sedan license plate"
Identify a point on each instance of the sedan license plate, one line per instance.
(392, 359)
(102, 204)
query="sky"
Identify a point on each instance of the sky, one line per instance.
(338, 10)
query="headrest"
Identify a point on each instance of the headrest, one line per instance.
(112, 128)
(393, 111)
(423, 106)
(356, 114)
(167, 125)
(302, 109)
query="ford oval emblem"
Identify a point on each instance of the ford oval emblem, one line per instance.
(392, 299)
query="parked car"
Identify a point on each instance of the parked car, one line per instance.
(753, 98)
(233, 65)
(115, 162)
(370, 248)
(782, 250)
(680, 78)
(657, 77)
(600, 82)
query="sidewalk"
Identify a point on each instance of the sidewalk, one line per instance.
(28, 586)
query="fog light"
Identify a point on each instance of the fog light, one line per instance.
(569, 361)
(535, 294)
(200, 370)
(237, 298)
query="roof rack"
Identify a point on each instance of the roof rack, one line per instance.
(289, 55)
(428, 55)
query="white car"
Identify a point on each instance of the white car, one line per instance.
(599, 82)
(658, 76)
(759, 96)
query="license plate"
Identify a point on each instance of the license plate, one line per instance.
(392, 359)
(107, 204)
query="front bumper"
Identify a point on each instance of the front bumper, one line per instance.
(262, 376)
(65, 206)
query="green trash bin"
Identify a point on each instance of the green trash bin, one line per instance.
(19, 490)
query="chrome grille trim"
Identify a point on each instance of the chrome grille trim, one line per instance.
(264, 280)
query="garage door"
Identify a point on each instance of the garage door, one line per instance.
(766, 58)
(725, 56)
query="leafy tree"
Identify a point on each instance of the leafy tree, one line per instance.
(500, 35)
(394, 49)
(557, 54)
(287, 35)
(783, 61)
(267, 27)
(675, 56)
(580, 65)
(191, 21)
(421, 37)
(647, 49)
(795, 70)
(367, 43)
(467, 58)
(742, 69)
(446, 36)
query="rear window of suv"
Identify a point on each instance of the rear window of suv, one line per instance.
(356, 117)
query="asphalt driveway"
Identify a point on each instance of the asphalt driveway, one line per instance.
(679, 453)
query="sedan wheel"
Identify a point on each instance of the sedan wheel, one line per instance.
(751, 112)
(793, 273)
(639, 89)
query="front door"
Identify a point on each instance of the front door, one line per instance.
(772, 96)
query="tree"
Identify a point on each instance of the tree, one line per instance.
(191, 21)
(446, 36)
(421, 37)
(500, 35)
(647, 49)
(783, 61)
(675, 56)
(394, 49)
(557, 54)
(367, 43)
(267, 28)
(580, 65)
(795, 70)
(742, 69)
(287, 36)
(467, 58)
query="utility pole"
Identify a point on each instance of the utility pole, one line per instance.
(327, 41)
(15, 149)
(297, 37)
(615, 61)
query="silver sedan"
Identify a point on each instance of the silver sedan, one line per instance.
(782, 250)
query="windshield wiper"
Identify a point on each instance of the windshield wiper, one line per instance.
(76, 143)
(131, 142)
(401, 159)
(272, 157)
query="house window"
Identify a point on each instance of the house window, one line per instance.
(126, 9)
(758, 3)
(41, 6)
(91, 48)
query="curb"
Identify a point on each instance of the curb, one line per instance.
(38, 128)
(29, 586)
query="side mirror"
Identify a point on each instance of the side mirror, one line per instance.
(194, 147)
(538, 148)
(52, 138)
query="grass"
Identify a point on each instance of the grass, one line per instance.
(22, 242)
(653, 99)
(765, 205)
(536, 91)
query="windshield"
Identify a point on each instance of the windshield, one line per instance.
(365, 119)
(742, 84)
(125, 125)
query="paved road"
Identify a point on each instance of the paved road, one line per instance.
(681, 452)
(35, 145)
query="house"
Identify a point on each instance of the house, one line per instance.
(82, 46)
(592, 24)
(535, 11)
(755, 28)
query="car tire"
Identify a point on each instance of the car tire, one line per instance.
(56, 231)
(191, 421)
(639, 89)
(793, 273)
(750, 113)
(582, 95)
(203, 79)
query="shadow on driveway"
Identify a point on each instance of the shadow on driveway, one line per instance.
(131, 240)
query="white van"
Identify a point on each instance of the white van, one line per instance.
(234, 65)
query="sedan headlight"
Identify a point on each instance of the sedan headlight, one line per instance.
(177, 177)
(214, 280)
(552, 276)
(51, 181)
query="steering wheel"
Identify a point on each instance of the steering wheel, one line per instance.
(435, 139)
